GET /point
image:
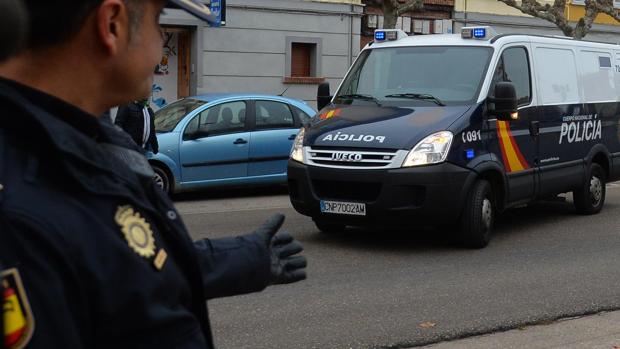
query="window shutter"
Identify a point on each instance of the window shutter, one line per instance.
(301, 55)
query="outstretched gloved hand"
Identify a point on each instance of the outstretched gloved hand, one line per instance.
(286, 267)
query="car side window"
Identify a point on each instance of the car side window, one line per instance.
(222, 118)
(271, 114)
(513, 67)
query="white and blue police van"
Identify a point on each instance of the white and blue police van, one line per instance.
(458, 128)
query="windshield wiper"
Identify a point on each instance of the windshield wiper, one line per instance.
(423, 96)
(360, 96)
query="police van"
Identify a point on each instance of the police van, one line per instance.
(457, 128)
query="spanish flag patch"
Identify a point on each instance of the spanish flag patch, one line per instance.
(16, 313)
(513, 158)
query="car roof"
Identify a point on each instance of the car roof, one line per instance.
(210, 97)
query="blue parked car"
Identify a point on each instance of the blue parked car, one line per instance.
(215, 140)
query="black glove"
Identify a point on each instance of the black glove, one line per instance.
(285, 267)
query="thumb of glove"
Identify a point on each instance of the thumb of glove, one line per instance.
(270, 228)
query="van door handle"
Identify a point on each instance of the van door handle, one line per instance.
(534, 128)
(240, 141)
(291, 137)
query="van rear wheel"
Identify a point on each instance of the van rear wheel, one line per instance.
(589, 199)
(478, 216)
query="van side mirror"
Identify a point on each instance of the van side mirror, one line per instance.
(504, 100)
(323, 96)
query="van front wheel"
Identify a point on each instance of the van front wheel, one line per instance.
(589, 199)
(478, 216)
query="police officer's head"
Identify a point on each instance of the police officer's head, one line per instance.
(109, 46)
(94, 54)
(13, 26)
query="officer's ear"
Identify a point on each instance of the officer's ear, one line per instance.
(112, 23)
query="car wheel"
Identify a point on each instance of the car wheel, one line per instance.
(161, 178)
(589, 199)
(329, 228)
(478, 216)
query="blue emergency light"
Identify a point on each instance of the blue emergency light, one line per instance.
(379, 35)
(480, 33)
(469, 153)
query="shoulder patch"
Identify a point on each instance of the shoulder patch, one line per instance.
(16, 312)
(136, 230)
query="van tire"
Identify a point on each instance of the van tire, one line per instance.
(329, 228)
(478, 216)
(589, 199)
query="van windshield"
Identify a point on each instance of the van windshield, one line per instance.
(420, 76)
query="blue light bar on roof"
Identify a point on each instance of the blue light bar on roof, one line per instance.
(480, 33)
(379, 35)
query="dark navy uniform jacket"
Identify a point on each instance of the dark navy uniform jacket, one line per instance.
(65, 177)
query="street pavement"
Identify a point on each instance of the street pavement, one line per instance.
(600, 331)
(412, 287)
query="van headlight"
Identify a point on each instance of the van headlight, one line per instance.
(431, 150)
(297, 153)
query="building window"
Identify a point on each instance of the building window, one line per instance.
(373, 21)
(303, 61)
(422, 26)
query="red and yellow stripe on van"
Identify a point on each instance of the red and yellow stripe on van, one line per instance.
(513, 159)
(330, 114)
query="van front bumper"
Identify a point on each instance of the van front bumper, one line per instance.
(426, 195)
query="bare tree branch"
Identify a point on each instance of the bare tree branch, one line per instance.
(392, 9)
(409, 6)
(607, 7)
(553, 14)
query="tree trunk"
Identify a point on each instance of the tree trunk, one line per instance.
(389, 15)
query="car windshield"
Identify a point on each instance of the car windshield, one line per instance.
(422, 76)
(169, 116)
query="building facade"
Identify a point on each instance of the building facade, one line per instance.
(505, 19)
(435, 18)
(266, 46)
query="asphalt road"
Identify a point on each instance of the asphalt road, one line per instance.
(397, 289)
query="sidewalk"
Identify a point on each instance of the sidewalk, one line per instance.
(600, 331)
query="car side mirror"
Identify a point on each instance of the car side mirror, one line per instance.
(504, 101)
(323, 96)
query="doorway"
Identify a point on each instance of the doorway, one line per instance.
(171, 80)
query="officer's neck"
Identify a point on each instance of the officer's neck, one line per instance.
(63, 76)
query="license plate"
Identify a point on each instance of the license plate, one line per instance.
(339, 207)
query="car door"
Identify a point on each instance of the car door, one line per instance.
(215, 144)
(516, 141)
(273, 133)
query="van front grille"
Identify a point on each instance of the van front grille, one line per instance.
(366, 159)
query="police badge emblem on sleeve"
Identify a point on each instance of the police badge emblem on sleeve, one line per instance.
(16, 312)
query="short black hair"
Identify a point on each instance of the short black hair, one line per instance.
(13, 27)
(56, 21)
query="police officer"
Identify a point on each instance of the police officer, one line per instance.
(100, 257)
